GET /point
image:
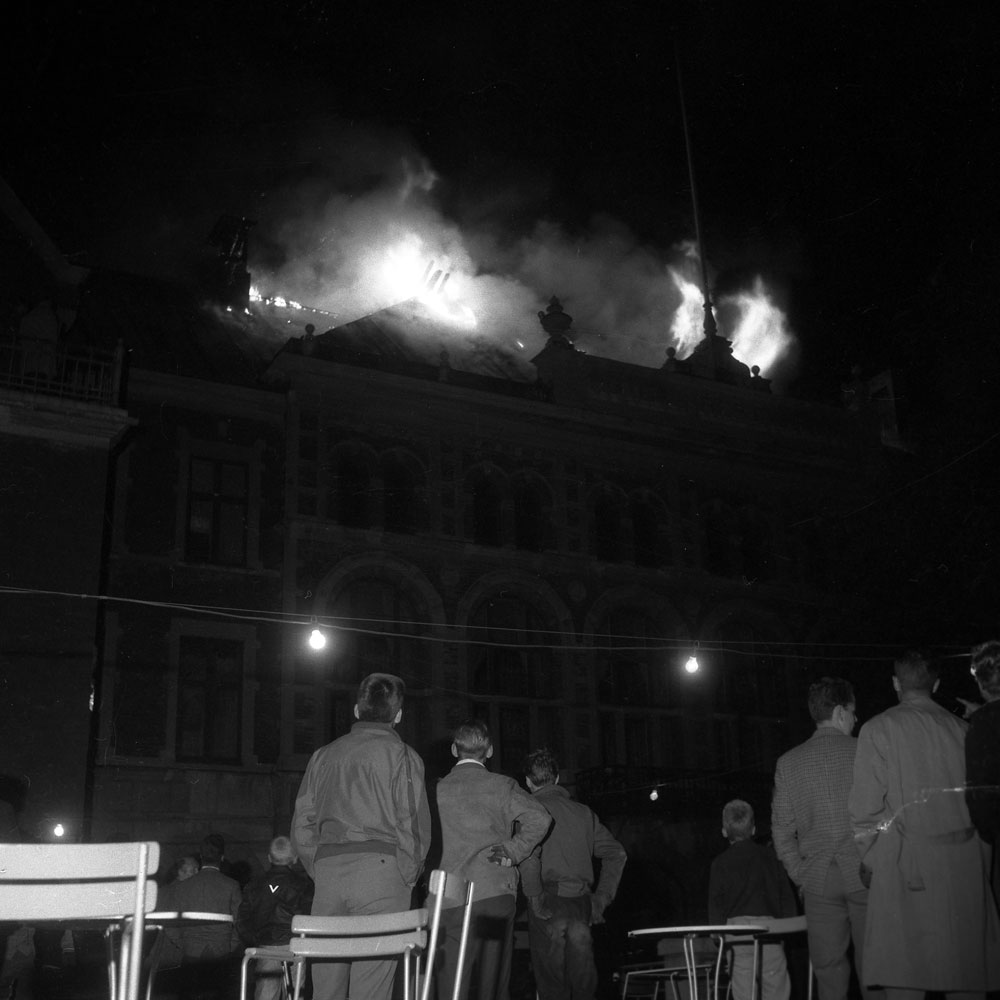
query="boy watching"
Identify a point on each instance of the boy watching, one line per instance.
(265, 915)
(746, 885)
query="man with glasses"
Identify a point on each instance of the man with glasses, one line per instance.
(812, 835)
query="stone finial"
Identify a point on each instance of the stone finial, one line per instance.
(309, 340)
(555, 321)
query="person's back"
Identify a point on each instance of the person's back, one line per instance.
(208, 891)
(747, 884)
(814, 840)
(272, 898)
(270, 901)
(558, 881)
(912, 827)
(361, 828)
(489, 824)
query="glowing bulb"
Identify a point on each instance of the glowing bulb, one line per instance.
(317, 639)
(692, 666)
(654, 795)
(59, 830)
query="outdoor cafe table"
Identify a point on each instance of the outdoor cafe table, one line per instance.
(691, 933)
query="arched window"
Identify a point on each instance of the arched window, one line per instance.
(753, 676)
(755, 545)
(720, 538)
(402, 499)
(351, 493)
(532, 514)
(650, 542)
(606, 526)
(383, 618)
(511, 672)
(485, 495)
(631, 683)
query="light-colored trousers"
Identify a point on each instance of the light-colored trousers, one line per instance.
(350, 885)
(775, 981)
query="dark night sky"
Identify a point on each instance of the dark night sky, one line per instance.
(846, 152)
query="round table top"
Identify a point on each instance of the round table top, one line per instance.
(701, 929)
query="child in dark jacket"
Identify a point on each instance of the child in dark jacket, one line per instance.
(747, 884)
(266, 910)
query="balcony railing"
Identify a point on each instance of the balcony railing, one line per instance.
(51, 369)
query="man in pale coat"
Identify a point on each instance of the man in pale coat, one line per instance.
(812, 836)
(489, 825)
(932, 923)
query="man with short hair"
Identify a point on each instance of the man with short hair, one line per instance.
(489, 825)
(558, 880)
(813, 838)
(208, 951)
(270, 900)
(932, 923)
(361, 829)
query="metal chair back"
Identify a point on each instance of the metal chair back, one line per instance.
(99, 882)
(371, 936)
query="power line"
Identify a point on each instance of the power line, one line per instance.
(752, 648)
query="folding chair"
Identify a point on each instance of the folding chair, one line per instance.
(105, 883)
(645, 979)
(445, 887)
(377, 935)
(275, 953)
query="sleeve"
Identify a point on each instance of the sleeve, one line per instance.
(531, 820)
(787, 905)
(304, 832)
(784, 831)
(718, 893)
(612, 857)
(531, 872)
(866, 803)
(413, 816)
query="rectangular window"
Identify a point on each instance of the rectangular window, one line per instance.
(218, 509)
(209, 700)
(304, 732)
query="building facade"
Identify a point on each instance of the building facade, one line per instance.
(545, 553)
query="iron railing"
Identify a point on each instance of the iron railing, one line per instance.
(50, 369)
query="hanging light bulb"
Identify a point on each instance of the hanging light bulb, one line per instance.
(692, 666)
(317, 637)
(654, 795)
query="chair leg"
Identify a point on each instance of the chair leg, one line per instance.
(243, 977)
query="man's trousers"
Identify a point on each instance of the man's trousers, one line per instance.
(352, 885)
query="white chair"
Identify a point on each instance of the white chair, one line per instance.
(357, 934)
(373, 936)
(445, 887)
(95, 883)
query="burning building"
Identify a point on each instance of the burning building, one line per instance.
(538, 539)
